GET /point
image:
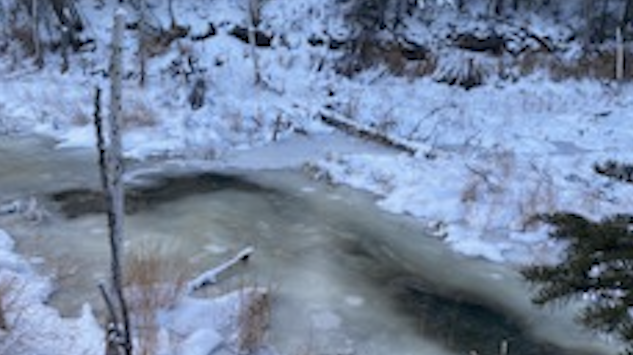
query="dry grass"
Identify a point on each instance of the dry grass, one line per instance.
(6, 287)
(10, 307)
(80, 118)
(18, 29)
(254, 319)
(11, 312)
(542, 198)
(158, 44)
(481, 182)
(469, 69)
(491, 190)
(600, 65)
(138, 114)
(470, 192)
(155, 281)
(474, 192)
(466, 69)
(596, 65)
(394, 60)
(236, 121)
(422, 68)
(506, 161)
(23, 35)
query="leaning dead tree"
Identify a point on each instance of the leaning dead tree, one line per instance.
(119, 340)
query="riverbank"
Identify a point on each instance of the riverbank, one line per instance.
(500, 155)
(345, 275)
(488, 159)
(491, 156)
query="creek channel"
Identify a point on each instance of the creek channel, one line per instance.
(347, 278)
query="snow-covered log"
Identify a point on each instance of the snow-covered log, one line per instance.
(211, 276)
(350, 126)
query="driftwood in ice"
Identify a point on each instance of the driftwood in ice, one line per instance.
(210, 277)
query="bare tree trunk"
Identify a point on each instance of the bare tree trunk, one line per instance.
(254, 19)
(619, 55)
(460, 5)
(39, 58)
(142, 41)
(497, 7)
(628, 13)
(587, 11)
(65, 45)
(4, 24)
(115, 189)
(68, 17)
(602, 31)
(172, 16)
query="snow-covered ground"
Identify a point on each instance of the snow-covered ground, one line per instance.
(28, 325)
(189, 326)
(502, 152)
(495, 155)
(500, 155)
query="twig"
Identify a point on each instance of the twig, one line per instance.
(113, 335)
(484, 177)
(109, 305)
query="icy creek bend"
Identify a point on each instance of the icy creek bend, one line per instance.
(347, 277)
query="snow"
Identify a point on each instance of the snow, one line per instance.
(534, 139)
(201, 342)
(34, 328)
(502, 152)
(483, 205)
(203, 325)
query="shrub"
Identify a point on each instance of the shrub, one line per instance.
(154, 281)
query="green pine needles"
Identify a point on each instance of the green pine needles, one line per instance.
(598, 264)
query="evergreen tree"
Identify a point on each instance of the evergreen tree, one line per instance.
(597, 264)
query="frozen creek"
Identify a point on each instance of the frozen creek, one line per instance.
(347, 278)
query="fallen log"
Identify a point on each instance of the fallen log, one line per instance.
(349, 126)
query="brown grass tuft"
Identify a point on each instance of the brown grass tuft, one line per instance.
(11, 312)
(6, 286)
(138, 114)
(254, 319)
(592, 64)
(24, 36)
(154, 281)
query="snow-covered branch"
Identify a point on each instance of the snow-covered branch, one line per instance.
(211, 276)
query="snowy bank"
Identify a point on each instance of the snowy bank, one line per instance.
(501, 156)
(30, 326)
(504, 150)
(190, 326)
